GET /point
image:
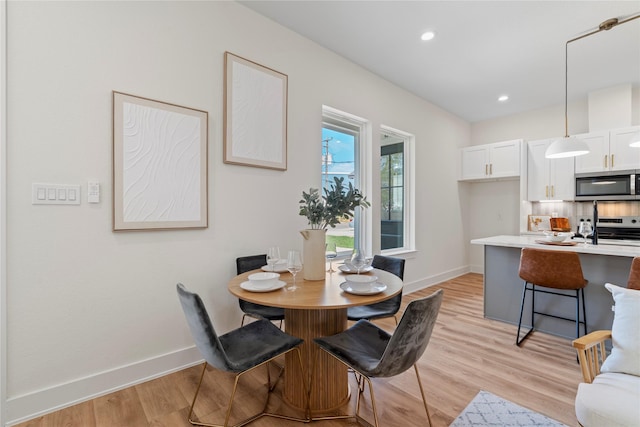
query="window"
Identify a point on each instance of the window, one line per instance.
(342, 150)
(392, 196)
(396, 179)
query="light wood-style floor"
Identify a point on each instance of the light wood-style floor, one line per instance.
(467, 353)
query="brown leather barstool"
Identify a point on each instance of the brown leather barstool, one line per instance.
(556, 270)
(634, 274)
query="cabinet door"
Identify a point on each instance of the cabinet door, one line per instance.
(537, 170)
(622, 156)
(562, 179)
(475, 162)
(504, 159)
(598, 158)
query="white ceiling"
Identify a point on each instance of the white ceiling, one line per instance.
(482, 49)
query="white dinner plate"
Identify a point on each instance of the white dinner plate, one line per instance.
(375, 288)
(281, 268)
(346, 269)
(248, 286)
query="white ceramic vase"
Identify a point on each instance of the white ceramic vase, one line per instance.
(313, 254)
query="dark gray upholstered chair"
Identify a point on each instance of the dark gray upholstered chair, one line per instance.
(258, 311)
(372, 352)
(238, 351)
(388, 308)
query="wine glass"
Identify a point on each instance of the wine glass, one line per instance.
(273, 256)
(330, 253)
(358, 260)
(294, 265)
(585, 229)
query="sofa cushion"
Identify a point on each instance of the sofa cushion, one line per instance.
(611, 400)
(625, 333)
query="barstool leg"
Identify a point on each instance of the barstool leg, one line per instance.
(533, 304)
(524, 295)
(584, 312)
(578, 313)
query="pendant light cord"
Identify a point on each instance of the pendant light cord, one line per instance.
(566, 90)
(604, 26)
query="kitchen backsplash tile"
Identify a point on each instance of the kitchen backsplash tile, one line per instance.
(575, 210)
(609, 208)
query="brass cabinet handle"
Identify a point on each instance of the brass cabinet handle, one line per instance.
(486, 169)
(612, 160)
(553, 191)
(546, 191)
(490, 168)
(605, 161)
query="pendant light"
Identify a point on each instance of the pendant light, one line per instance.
(572, 146)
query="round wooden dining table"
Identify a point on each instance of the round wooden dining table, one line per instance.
(315, 309)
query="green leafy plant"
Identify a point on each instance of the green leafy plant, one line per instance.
(338, 203)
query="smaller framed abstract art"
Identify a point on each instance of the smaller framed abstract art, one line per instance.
(159, 165)
(255, 114)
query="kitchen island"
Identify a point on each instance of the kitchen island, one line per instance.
(603, 263)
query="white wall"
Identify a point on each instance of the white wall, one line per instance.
(90, 310)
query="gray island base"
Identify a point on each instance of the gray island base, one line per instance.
(503, 287)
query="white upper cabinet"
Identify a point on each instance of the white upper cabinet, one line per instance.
(609, 151)
(548, 179)
(491, 161)
(622, 156)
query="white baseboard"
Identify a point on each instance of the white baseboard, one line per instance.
(477, 269)
(435, 279)
(31, 405)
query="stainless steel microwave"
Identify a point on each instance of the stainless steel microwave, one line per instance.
(613, 185)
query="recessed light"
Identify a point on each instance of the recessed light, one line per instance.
(429, 35)
(503, 98)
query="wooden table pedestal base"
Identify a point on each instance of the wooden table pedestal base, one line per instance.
(330, 387)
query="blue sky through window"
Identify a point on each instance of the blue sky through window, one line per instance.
(337, 156)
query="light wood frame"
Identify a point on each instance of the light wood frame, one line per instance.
(591, 353)
(255, 114)
(159, 165)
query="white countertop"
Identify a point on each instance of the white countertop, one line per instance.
(530, 242)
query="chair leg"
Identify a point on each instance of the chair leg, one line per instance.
(360, 378)
(533, 304)
(307, 416)
(524, 295)
(584, 312)
(426, 408)
(373, 403)
(307, 410)
(195, 396)
(577, 313)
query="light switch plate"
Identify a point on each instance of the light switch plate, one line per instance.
(93, 192)
(55, 194)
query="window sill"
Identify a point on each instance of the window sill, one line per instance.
(401, 251)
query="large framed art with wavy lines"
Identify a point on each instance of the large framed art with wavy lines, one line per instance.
(159, 165)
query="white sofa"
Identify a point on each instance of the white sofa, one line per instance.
(610, 394)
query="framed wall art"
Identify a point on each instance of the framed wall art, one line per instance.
(539, 223)
(255, 114)
(159, 165)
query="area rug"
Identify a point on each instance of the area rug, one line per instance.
(487, 409)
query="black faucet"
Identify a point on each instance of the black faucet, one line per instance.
(594, 236)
